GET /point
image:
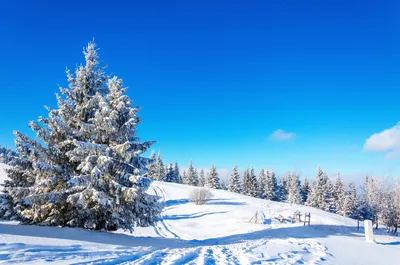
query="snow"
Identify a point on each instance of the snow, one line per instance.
(2, 173)
(216, 233)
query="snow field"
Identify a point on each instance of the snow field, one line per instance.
(215, 233)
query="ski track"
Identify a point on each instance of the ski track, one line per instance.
(288, 251)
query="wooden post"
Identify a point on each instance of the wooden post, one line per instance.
(307, 215)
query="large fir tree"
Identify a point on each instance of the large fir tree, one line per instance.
(86, 169)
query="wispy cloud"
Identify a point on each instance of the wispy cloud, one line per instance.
(281, 135)
(385, 141)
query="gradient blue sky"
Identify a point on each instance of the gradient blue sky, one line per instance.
(216, 78)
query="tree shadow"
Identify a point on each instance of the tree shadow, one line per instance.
(189, 216)
(223, 202)
(395, 243)
(176, 202)
(296, 231)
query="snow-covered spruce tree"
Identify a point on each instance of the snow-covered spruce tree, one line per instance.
(7, 155)
(370, 200)
(253, 184)
(271, 186)
(21, 178)
(317, 196)
(202, 179)
(160, 168)
(350, 205)
(212, 178)
(234, 181)
(387, 212)
(191, 176)
(294, 195)
(305, 190)
(170, 176)
(246, 182)
(397, 207)
(196, 177)
(262, 179)
(329, 199)
(177, 174)
(184, 177)
(223, 185)
(283, 189)
(88, 173)
(339, 195)
(152, 167)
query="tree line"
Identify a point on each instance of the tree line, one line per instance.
(377, 200)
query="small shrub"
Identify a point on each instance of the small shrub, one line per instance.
(200, 195)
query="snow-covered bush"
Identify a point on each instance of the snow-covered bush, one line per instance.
(200, 195)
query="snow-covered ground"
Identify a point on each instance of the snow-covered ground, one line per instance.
(216, 233)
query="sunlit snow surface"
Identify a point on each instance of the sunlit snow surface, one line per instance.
(216, 233)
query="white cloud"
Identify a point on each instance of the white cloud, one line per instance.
(385, 141)
(281, 135)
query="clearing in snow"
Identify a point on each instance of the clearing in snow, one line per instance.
(218, 232)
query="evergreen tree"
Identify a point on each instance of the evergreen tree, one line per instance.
(213, 179)
(177, 174)
(283, 189)
(7, 155)
(191, 175)
(370, 200)
(184, 178)
(339, 195)
(152, 167)
(253, 184)
(350, 204)
(271, 186)
(387, 209)
(171, 177)
(160, 169)
(294, 195)
(246, 182)
(21, 179)
(89, 171)
(196, 177)
(202, 179)
(262, 182)
(329, 199)
(234, 182)
(223, 185)
(317, 197)
(305, 190)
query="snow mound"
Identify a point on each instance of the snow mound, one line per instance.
(218, 232)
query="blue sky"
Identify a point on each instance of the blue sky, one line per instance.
(215, 79)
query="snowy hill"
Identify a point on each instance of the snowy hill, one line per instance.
(216, 233)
